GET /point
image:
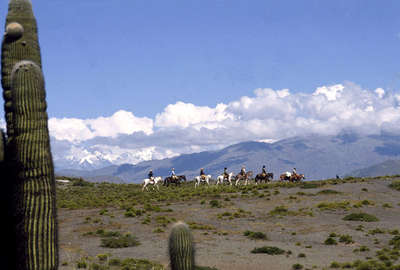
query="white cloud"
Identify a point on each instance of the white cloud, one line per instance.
(77, 130)
(330, 92)
(268, 115)
(184, 115)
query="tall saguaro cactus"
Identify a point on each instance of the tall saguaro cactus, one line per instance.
(35, 214)
(20, 42)
(29, 184)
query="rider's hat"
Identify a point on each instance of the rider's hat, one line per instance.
(225, 168)
(263, 166)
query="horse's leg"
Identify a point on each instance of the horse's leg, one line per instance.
(144, 185)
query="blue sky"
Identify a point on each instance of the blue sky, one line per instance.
(101, 56)
(131, 80)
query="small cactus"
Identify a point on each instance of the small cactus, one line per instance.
(181, 247)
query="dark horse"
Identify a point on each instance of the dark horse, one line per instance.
(177, 180)
(264, 177)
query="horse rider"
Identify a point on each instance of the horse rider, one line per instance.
(225, 174)
(243, 171)
(294, 172)
(264, 171)
(151, 177)
(202, 174)
(173, 175)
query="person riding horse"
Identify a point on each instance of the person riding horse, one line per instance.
(294, 172)
(173, 175)
(225, 174)
(264, 171)
(202, 174)
(243, 171)
(150, 175)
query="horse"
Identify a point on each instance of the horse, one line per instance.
(221, 178)
(174, 180)
(291, 178)
(200, 179)
(264, 177)
(297, 177)
(245, 177)
(153, 182)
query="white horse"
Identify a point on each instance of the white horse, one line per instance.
(199, 179)
(153, 182)
(220, 179)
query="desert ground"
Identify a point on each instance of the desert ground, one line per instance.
(297, 218)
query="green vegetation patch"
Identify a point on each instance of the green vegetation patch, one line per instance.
(268, 250)
(121, 241)
(328, 192)
(344, 205)
(255, 235)
(361, 217)
(395, 185)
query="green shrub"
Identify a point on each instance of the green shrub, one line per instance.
(395, 185)
(330, 241)
(297, 266)
(328, 192)
(268, 250)
(301, 255)
(361, 217)
(255, 235)
(335, 265)
(123, 241)
(347, 239)
(395, 242)
(81, 264)
(215, 203)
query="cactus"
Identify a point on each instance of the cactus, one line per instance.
(181, 247)
(20, 42)
(34, 184)
(2, 145)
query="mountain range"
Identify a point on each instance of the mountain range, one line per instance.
(316, 156)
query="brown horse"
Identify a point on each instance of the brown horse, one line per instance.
(297, 177)
(292, 178)
(245, 177)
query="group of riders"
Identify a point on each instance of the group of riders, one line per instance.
(225, 173)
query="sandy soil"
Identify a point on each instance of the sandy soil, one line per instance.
(225, 247)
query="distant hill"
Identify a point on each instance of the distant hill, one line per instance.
(318, 157)
(388, 167)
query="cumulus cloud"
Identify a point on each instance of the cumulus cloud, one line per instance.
(121, 122)
(268, 115)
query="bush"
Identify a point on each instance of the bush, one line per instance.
(395, 185)
(347, 239)
(335, 265)
(301, 255)
(123, 241)
(268, 250)
(215, 203)
(330, 241)
(297, 266)
(328, 192)
(255, 235)
(81, 264)
(361, 217)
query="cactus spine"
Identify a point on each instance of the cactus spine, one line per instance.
(181, 247)
(29, 188)
(20, 42)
